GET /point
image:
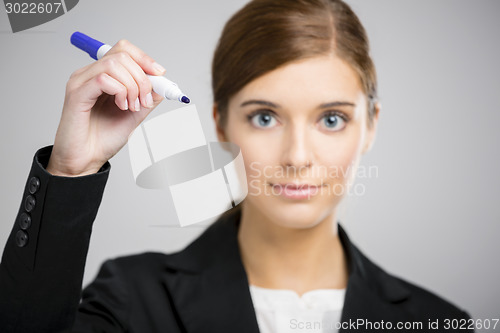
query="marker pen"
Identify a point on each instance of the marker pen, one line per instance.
(161, 85)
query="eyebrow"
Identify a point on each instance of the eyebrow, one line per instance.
(272, 105)
(334, 104)
(259, 102)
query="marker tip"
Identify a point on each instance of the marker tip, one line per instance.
(185, 99)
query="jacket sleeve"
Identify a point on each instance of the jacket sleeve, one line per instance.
(42, 265)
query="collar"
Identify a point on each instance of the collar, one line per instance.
(208, 276)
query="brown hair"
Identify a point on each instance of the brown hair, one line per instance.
(266, 34)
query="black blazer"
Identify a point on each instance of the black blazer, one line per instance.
(203, 288)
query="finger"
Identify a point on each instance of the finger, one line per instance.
(114, 68)
(141, 79)
(104, 83)
(76, 74)
(112, 65)
(140, 116)
(157, 99)
(148, 64)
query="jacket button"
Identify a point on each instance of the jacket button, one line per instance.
(29, 203)
(34, 185)
(25, 221)
(21, 238)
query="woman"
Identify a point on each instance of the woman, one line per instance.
(295, 89)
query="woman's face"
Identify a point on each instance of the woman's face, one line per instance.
(302, 125)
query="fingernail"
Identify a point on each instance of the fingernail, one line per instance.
(158, 67)
(126, 105)
(137, 104)
(149, 100)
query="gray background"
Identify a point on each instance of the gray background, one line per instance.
(431, 216)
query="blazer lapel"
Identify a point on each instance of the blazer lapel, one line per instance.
(362, 304)
(209, 291)
(208, 283)
(371, 294)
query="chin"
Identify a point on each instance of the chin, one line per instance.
(296, 224)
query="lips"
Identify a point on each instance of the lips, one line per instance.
(296, 186)
(296, 191)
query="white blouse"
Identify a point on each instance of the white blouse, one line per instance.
(283, 310)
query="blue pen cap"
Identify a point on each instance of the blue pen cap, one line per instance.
(85, 43)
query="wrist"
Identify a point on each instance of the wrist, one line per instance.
(56, 170)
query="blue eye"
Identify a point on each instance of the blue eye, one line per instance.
(261, 119)
(332, 121)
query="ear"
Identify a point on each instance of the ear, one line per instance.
(372, 131)
(221, 136)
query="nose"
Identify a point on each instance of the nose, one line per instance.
(297, 151)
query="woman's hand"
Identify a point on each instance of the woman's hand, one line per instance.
(104, 102)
